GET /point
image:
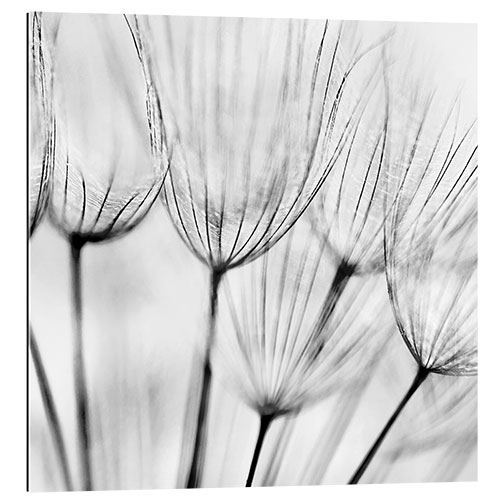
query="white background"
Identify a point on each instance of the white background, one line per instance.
(13, 213)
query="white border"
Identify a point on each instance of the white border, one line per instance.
(13, 216)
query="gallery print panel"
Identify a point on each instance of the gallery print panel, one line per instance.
(253, 252)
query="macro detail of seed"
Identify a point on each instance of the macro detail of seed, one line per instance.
(252, 252)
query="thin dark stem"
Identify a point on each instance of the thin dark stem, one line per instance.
(198, 457)
(50, 410)
(419, 378)
(81, 392)
(265, 422)
(277, 454)
(341, 279)
(342, 276)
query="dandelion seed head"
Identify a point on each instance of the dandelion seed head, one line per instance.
(438, 320)
(257, 111)
(109, 165)
(94, 209)
(275, 343)
(431, 243)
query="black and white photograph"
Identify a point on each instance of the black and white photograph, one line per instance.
(252, 252)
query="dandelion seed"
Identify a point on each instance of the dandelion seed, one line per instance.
(258, 112)
(432, 284)
(106, 181)
(433, 293)
(282, 351)
(110, 156)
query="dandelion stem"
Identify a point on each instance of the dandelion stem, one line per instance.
(81, 392)
(273, 470)
(341, 279)
(265, 422)
(50, 410)
(198, 457)
(419, 378)
(343, 274)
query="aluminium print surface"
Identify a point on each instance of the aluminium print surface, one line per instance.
(253, 252)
